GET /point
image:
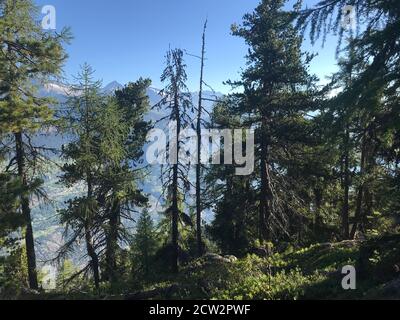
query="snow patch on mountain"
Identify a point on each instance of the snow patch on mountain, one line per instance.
(58, 88)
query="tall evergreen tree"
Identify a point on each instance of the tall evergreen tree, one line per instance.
(277, 93)
(198, 134)
(109, 135)
(83, 156)
(176, 99)
(29, 55)
(120, 189)
(372, 95)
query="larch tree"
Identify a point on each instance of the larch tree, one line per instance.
(83, 163)
(105, 154)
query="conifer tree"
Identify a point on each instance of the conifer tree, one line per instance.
(29, 56)
(277, 93)
(144, 244)
(119, 192)
(83, 156)
(230, 197)
(109, 135)
(371, 97)
(176, 99)
(199, 205)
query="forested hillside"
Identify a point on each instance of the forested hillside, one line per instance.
(287, 187)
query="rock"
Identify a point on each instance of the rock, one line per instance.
(166, 292)
(231, 258)
(213, 257)
(349, 243)
(29, 292)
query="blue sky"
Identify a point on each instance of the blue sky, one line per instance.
(126, 39)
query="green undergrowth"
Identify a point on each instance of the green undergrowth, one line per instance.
(308, 273)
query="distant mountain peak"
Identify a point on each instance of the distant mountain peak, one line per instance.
(57, 88)
(112, 86)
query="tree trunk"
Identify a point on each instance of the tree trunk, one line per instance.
(175, 207)
(265, 194)
(346, 186)
(175, 215)
(368, 194)
(26, 212)
(198, 165)
(89, 240)
(358, 212)
(318, 203)
(368, 210)
(112, 242)
(92, 254)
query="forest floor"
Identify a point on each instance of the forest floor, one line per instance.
(309, 273)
